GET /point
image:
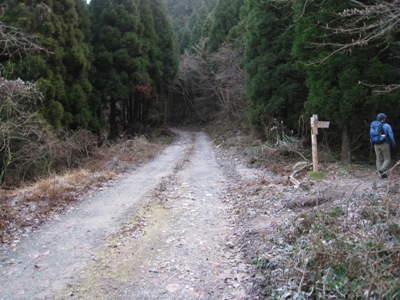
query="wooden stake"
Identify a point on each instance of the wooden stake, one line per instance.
(315, 124)
(314, 132)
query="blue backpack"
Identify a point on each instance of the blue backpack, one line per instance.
(376, 132)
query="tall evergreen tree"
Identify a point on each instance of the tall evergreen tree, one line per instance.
(225, 16)
(185, 14)
(151, 51)
(77, 59)
(118, 52)
(167, 57)
(196, 23)
(166, 43)
(275, 85)
(184, 38)
(333, 78)
(133, 61)
(62, 75)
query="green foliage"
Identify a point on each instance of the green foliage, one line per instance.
(54, 112)
(167, 58)
(196, 24)
(316, 175)
(115, 28)
(275, 83)
(129, 54)
(61, 27)
(189, 20)
(151, 52)
(225, 16)
(336, 79)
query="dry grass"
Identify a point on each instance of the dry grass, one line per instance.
(124, 155)
(60, 189)
(345, 252)
(33, 203)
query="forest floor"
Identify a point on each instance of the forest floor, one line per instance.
(198, 221)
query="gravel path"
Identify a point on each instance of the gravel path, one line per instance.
(161, 232)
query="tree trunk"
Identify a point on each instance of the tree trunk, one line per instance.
(346, 149)
(130, 111)
(136, 107)
(166, 102)
(124, 114)
(113, 119)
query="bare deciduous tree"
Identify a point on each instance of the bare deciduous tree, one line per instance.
(14, 44)
(21, 131)
(25, 138)
(28, 145)
(372, 22)
(214, 80)
(376, 22)
(229, 80)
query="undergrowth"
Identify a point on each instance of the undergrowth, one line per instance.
(338, 253)
(341, 248)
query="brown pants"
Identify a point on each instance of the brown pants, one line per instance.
(383, 159)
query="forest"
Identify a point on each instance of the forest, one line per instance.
(73, 73)
(87, 86)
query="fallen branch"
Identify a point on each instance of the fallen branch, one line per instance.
(298, 153)
(392, 168)
(292, 177)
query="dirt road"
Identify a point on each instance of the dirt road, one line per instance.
(160, 232)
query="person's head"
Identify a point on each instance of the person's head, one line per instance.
(381, 117)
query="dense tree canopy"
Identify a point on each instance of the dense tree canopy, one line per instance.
(115, 39)
(116, 48)
(109, 64)
(63, 74)
(133, 61)
(190, 18)
(225, 17)
(275, 85)
(166, 44)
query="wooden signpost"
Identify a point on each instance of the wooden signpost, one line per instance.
(315, 124)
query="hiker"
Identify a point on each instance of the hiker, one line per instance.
(383, 140)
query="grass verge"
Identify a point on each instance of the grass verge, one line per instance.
(24, 208)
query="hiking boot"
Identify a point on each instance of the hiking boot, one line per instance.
(382, 175)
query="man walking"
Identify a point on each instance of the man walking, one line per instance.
(383, 145)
